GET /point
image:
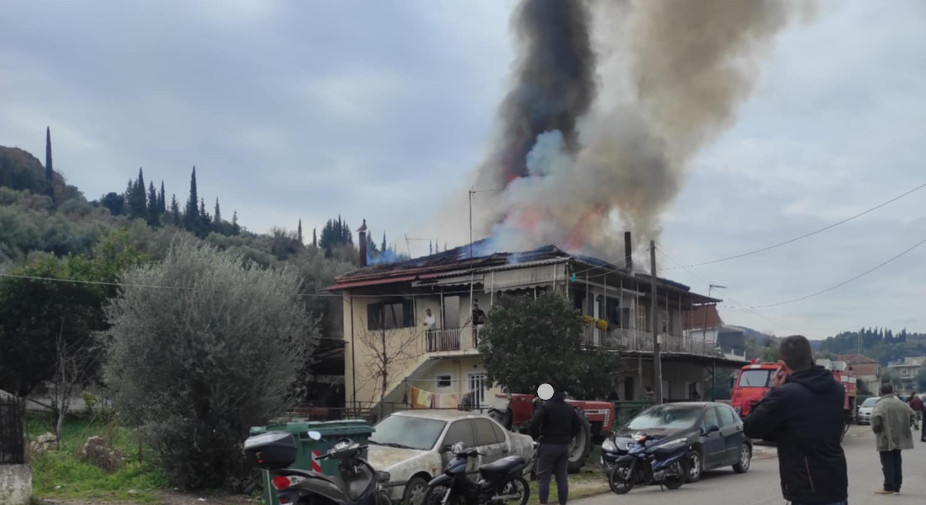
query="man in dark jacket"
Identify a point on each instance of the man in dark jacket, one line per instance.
(556, 423)
(803, 413)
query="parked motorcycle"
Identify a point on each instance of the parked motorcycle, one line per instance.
(648, 461)
(501, 482)
(358, 483)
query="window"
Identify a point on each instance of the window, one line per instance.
(727, 417)
(444, 381)
(460, 431)
(390, 315)
(665, 417)
(499, 432)
(614, 311)
(411, 432)
(710, 418)
(755, 378)
(485, 435)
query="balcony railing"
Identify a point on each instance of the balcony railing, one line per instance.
(455, 339)
(638, 340)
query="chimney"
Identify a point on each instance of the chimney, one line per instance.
(362, 237)
(628, 252)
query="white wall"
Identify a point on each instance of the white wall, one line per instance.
(15, 484)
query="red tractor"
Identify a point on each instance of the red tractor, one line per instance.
(516, 410)
(754, 380)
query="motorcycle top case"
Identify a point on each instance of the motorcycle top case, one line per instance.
(272, 450)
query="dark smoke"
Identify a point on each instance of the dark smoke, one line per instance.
(554, 84)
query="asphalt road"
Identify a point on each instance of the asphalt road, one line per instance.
(760, 486)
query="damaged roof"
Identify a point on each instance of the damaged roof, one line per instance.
(458, 259)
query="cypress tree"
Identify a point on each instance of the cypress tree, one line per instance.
(204, 219)
(235, 228)
(175, 211)
(191, 213)
(154, 208)
(314, 237)
(138, 205)
(299, 232)
(162, 199)
(383, 246)
(217, 219)
(49, 172)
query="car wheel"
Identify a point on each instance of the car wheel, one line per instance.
(414, 491)
(697, 466)
(742, 466)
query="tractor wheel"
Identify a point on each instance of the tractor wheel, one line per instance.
(580, 447)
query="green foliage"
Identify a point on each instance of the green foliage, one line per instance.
(34, 312)
(223, 346)
(64, 475)
(528, 342)
(335, 233)
(881, 344)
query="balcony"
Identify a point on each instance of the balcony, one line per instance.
(455, 340)
(638, 340)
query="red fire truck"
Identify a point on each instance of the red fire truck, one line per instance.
(754, 380)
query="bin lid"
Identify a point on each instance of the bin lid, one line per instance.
(346, 427)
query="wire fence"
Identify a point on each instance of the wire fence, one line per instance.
(12, 446)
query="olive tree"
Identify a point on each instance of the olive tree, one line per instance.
(202, 346)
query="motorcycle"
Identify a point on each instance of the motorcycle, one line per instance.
(648, 461)
(501, 482)
(357, 482)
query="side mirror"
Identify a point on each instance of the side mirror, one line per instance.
(712, 428)
(382, 477)
(314, 435)
(446, 448)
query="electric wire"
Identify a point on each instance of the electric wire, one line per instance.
(801, 237)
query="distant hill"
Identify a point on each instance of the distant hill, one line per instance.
(21, 171)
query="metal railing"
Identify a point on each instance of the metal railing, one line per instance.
(12, 447)
(639, 340)
(455, 339)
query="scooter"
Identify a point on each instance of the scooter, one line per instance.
(358, 483)
(501, 482)
(650, 461)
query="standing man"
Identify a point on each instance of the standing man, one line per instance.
(430, 324)
(803, 414)
(917, 405)
(479, 319)
(891, 420)
(556, 423)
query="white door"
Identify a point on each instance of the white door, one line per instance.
(477, 383)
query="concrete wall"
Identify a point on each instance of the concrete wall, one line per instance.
(15, 484)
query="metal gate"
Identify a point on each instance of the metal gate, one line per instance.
(477, 382)
(12, 447)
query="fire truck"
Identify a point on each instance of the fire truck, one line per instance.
(754, 380)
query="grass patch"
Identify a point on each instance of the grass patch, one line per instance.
(64, 475)
(590, 481)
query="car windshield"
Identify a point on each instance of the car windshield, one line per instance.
(666, 417)
(407, 432)
(870, 402)
(754, 378)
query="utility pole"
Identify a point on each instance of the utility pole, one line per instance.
(657, 361)
(471, 193)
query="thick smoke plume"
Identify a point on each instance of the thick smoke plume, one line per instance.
(577, 168)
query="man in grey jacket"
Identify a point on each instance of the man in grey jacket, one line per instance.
(891, 420)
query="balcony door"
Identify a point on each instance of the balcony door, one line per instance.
(477, 386)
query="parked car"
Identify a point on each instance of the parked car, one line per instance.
(863, 416)
(714, 431)
(415, 445)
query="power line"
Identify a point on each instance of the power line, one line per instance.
(754, 312)
(841, 284)
(801, 237)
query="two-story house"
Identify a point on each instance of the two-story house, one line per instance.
(905, 372)
(391, 354)
(867, 371)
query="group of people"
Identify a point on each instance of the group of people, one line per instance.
(803, 414)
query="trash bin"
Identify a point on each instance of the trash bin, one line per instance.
(307, 449)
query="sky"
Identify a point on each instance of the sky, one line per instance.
(380, 110)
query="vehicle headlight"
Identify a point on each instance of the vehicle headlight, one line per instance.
(608, 445)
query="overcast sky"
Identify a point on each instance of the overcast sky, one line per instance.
(378, 110)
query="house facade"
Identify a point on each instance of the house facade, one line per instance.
(394, 360)
(905, 372)
(867, 371)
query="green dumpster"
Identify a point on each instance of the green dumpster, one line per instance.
(357, 430)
